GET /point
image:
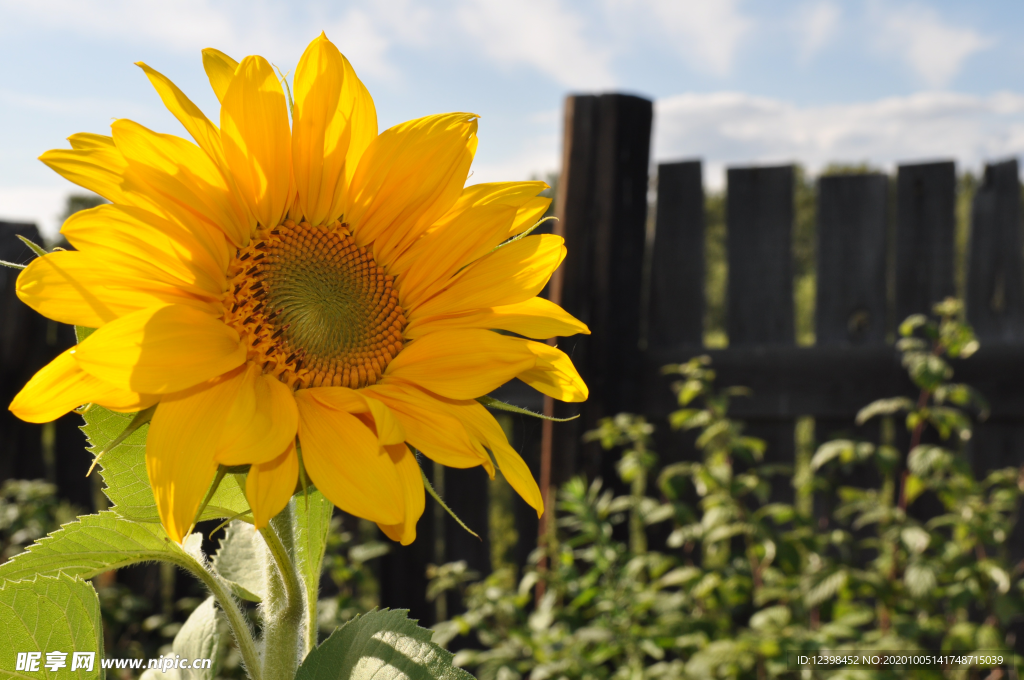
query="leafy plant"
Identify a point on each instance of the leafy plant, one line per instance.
(710, 579)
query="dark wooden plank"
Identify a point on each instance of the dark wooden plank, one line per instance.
(835, 382)
(851, 298)
(852, 237)
(995, 277)
(759, 223)
(759, 228)
(602, 205)
(925, 234)
(676, 303)
(22, 352)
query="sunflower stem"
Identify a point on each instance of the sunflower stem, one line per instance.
(236, 619)
(283, 606)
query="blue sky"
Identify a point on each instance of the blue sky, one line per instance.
(734, 82)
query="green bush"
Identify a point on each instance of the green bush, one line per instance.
(736, 585)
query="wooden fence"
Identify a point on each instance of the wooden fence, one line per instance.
(885, 250)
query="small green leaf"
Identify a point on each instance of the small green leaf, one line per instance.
(82, 332)
(914, 487)
(200, 638)
(93, 544)
(50, 614)
(883, 407)
(382, 645)
(235, 561)
(12, 265)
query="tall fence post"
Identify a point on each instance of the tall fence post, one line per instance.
(602, 208)
(759, 228)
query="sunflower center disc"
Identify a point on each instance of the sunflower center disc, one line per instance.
(314, 307)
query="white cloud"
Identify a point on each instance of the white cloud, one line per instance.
(933, 49)
(816, 24)
(708, 34)
(730, 128)
(543, 34)
(275, 30)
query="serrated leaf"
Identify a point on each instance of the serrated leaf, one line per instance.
(313, 520)
(123, 469)
(49, 614)
(382, 645)
(199, 638)
(235, 561)
(93, 544)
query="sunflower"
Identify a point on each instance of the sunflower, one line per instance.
(300, 295)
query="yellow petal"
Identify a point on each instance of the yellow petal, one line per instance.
(75, 288)
(180, 172)
(389, 429)
(220, 68)
(262, 420)
(61, 386)
(515, 272)
(554, 375)
(461, 364)
(257, 140)
(327, 92)
(205, 133)
(154, 248)
(160, 350)
(180, 447)
(534, 318)
(428, 428)
(345, 462)
(479, 422)
(93, 163)
(408, 177)
(444, 251)
(269, 486)
(480, 200)
(415, 499)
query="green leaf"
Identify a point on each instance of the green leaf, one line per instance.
(12, 265)
(382, 645)
(82, 332)
(919, 579)
(884, 407)
(313, 519)
(93, 544)
(236, 561)
(49, 614)
(123, 468)
(199, 638)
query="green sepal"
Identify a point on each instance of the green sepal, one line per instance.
(382, 645)
(12, 265)
(433, 494)
(34, 247)
(491, 402)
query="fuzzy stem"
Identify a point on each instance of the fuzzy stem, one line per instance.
(239, 626)
(284, 609)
